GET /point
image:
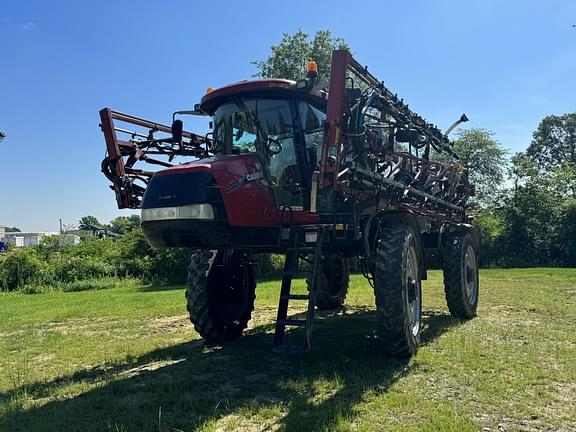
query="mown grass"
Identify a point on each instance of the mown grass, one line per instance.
(126, 359)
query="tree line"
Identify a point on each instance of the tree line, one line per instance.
(94, 263)
(526, 204)
(101, 261)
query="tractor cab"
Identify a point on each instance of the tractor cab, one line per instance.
(280, 125)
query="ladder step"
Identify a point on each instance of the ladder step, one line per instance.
(292, 322)
(288, 349)
(295, 297)
(299, 242)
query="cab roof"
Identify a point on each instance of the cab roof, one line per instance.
(213, 98)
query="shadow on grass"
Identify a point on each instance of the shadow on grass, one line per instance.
(187, 386)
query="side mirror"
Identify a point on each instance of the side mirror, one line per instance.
(177, 127)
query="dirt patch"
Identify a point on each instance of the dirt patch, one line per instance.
(565, 392)
(165, 324)
(539, 417)
(249, 424)
(82, 326)
(43, 358)
(505, 424)
(114, 327)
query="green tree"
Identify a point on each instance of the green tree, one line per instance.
(88, 222)
(288, 59)
(125, 224)
(564, 181)
(564, 185)
(489, 223)
(554, 142)
(567, 234)
(530, 219)
(487, 162)
(539, 216)
(522, 168)
(12, 229)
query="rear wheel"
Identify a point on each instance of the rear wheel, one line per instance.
(461, 283)
(220, 292)
(398, 292)
(333, 282)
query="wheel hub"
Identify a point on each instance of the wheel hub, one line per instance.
(231, 297)
(470, 275)
(413, 288)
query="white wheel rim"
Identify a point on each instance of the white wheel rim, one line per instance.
(412, 282)
(470, 275)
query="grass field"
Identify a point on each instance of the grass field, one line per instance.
(127, 359)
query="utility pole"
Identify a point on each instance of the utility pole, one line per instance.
(60, 225)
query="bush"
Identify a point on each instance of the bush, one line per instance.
(269, 265)
(74, 268)
(134, 255)
(98, 284)
(169, 266)
(79, 285)
(96, 263)
(19, 268)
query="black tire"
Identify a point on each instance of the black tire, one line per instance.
(461, 284)
(398, 292)
(220, 291)
(333, 282)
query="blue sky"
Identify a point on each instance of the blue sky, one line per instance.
(506, 64)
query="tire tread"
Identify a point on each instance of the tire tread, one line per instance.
(388, 289)
(201, 262)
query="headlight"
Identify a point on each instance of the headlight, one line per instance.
(192, 211)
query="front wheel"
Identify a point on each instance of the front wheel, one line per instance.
(220, 291)
(397, 290)
(461, 283)
(333, 282)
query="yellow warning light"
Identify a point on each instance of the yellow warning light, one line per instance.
(312, 66)
(209, 90)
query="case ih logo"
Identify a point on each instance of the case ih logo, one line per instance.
(238, 183)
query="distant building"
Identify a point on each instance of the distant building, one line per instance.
(2, 244)
(25, 239)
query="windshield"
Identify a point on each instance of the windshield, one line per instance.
(250, 125)
(266, 127)
(263, 127)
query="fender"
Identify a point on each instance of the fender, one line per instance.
(463, 228)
